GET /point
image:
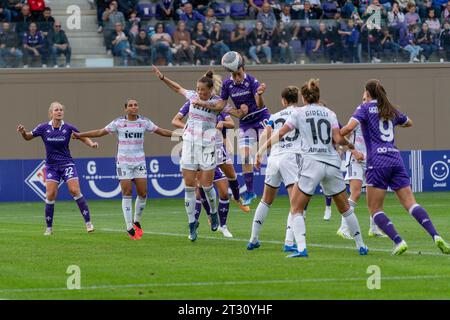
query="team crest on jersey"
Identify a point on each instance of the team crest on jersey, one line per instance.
(246, 84)
(36, 180)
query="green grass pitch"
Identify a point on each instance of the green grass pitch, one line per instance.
(164, 264)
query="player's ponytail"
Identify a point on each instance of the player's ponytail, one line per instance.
(290, 94)
(386, 110)
(208, 79)
(217, 83)
(310, 91)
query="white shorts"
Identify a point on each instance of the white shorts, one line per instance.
(198, 157)
(313, 173)
(128, 171)
(284, 168)
(356, 170)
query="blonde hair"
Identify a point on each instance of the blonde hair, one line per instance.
(52, 107)
(217, 80)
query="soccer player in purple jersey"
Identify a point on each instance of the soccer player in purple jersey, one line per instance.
(130, 161)
(59, 165)
(246, 93)
(385, 167)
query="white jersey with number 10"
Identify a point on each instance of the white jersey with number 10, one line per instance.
(315, 123)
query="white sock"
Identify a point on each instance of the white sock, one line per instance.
(373, 225)
(211, 196)
(260, 215)
(189, 202)
(353, 226)
(299, 229)
(352, 203)
(127, 203)
(289, 240)
(139, 207)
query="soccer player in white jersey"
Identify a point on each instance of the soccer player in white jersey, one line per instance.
(283, 165)
(355, 175)
(130, 161)
(318, 127)
(199, 147)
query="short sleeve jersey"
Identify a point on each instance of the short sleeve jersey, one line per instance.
(130, 135)
(56, 141)
(379, 135)
(244, 93)
(315, 123)
(290, 143)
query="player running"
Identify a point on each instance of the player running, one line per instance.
(283, 165)
(130, 161)
(319, 128)
(199, 147)
(385, 168)
(59, 165)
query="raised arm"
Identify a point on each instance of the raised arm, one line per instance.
(90, 134)
(171, 84)
(89, 142)
(165, 132)
(215, 106)
(341, 139)
(347, 129)
(178, 122)
(274, 139)
(258, 96)
(407, 124)
(26, 135)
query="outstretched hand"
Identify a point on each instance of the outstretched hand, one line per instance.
(158, 73)
(257, 162)
(21, 128)
(94, 145)
(75, 135)
(261, 88)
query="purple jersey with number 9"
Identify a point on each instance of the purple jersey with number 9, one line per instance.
(379, 135)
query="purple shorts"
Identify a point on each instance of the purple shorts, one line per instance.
(61, 173)
(218, 174)
(393, 177)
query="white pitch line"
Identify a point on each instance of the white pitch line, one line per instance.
(327, 246)
(223, 283)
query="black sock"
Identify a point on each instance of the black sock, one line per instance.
(131, 231)
(138, 225)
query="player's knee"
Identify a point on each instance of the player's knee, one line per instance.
(74, 192)
(50, 196)
(142, 193)
(127, 192)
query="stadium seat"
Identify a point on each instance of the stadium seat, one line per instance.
(170, 29)
(238, 10)
(220, 10)
(229, 26)
(145, 11)
(296, 46)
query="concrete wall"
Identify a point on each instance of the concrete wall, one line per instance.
(94, 97)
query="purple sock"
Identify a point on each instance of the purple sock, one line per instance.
(84, 209)
(205, 202)
(234, 186)
(328, 201)
(49, 210)
(198, 209)
(248, 177)
(383, 222)
(224, 207)
(421, 215)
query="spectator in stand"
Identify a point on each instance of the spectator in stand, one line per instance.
(396, 20)
(290, 25)
(329, 7)
(101, 6)
(133, 26)
(307, 13)
(316, 6)
(10, 53)
(111, 17)
(14, 6)
(5, 13)
(37, 8)
(403, 4)
(444, 41)
(281, 39)
(219, 42)
(60, 45)
(182, 41)
(238, 41)
(202, 43)
(352, 41)
(409, 43)
(347, 9)
(267, 17)
(120, 44)
(388, 43)
(143, 48)
(446, 14)
(386, 4)
(439, 5)
(254, 7)
(126, 6)
(178, 8)
(411, 17)
(23, 20)
(200, 5)
(210, 20)
(33, 47)
(259, 41)
(425, 39)
(46, 21)
(423, 7)
(161, 45)
(433, 22)
(165, 9)
(311, 40)
(191, 17)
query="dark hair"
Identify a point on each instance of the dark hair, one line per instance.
(47, 9)
(208, 79)
(128, 100)
(386, 110)
(310, 91)
(290, 94)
